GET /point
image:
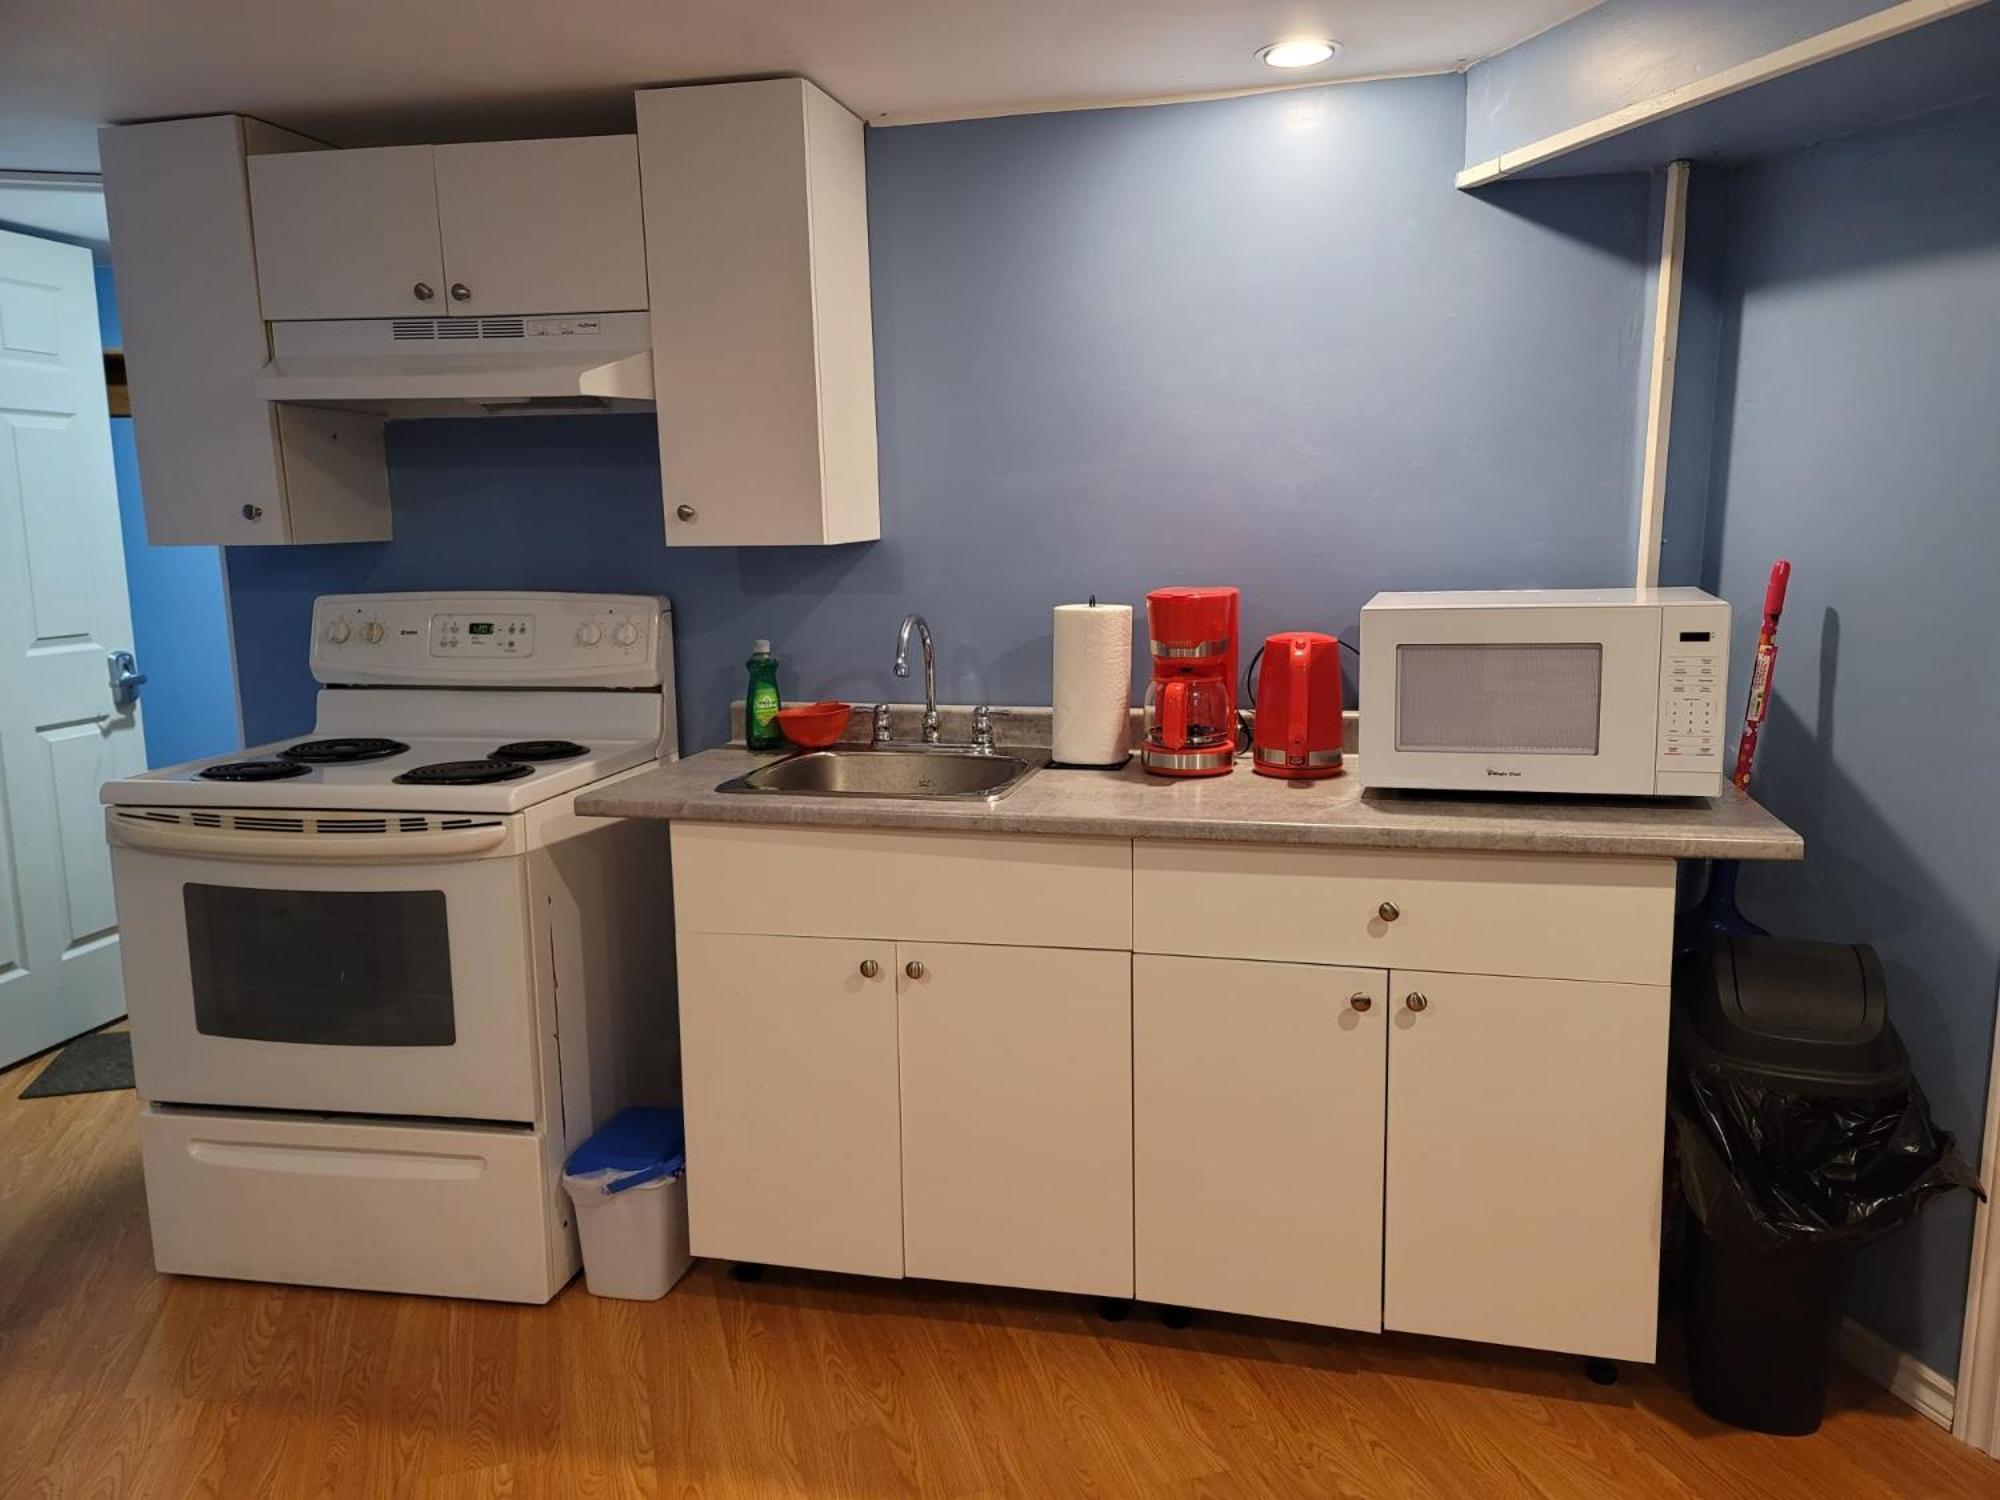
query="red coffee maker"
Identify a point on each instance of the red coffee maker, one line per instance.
(1299, 707)
(1191, 701)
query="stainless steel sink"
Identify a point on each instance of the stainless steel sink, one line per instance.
(926, 774)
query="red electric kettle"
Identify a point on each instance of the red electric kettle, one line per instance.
(1299, 709)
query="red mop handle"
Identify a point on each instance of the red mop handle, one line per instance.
(1760, 673)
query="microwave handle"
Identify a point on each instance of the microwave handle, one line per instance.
(306, 848)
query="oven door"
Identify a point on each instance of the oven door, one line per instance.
(1525, 698)
(305, 962)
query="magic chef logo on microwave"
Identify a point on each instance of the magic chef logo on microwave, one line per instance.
(1499, 771)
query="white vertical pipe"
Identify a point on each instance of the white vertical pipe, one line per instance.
(1660, 389)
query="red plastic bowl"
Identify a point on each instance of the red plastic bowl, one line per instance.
(813, 725)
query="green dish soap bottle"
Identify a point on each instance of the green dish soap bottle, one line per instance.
(761, 703)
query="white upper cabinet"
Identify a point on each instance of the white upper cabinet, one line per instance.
(763, 348)
(217, 462)
(542, 226)
(347, 234)
(427, 231)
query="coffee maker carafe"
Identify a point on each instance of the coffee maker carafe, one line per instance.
(1191, 701)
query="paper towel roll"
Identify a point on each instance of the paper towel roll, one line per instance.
(1093, 684)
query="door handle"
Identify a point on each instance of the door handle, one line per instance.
(126, 680)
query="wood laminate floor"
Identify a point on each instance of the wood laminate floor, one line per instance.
(117, 1381)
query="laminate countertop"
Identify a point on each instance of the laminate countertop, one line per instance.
(1241, 808)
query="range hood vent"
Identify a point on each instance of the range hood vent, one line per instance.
(499, 366)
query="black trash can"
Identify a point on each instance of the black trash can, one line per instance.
(1801, 1136)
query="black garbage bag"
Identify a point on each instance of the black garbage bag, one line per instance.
(1768, 1168)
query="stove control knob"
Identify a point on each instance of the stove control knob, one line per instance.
(589, 633)
(372, 632)
(339, 631)
(626, 634)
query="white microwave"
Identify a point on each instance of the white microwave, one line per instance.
(1612, 691)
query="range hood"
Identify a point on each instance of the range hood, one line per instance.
(484, 366)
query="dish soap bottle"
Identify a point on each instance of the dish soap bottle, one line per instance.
(761, 702)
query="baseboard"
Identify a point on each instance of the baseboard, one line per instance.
(1902, 1375)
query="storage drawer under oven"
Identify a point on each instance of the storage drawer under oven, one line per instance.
(449, 1211)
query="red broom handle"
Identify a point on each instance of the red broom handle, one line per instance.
(1760, 673)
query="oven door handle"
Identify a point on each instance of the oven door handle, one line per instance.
(308, 848)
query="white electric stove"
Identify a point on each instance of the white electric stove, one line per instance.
(382, 978)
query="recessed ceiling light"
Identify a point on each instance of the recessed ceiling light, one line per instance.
(1298, 52)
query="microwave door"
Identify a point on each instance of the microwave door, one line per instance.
(1517, 700)
(399, 988)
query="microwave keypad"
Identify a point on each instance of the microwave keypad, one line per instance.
(1693, 706)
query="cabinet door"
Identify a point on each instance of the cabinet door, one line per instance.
(542, 226)
(1257, 1137)
(1525, 1128)
(763, 356)
(788, 1059)
(347, 234)
(1017, 1116)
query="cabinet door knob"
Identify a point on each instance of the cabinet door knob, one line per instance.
(684, 512)
(423, 291)
(869, 968)
(1388, 911)
(252, 512)
(460, 292)
(1361, 1002)
(914, 968)
(1417, 1001)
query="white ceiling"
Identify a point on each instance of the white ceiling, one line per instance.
(360, 72)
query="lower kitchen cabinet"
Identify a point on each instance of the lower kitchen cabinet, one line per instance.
(1257, 1109)
(1017, 1115)
(789, 1066)
(1524, 1152)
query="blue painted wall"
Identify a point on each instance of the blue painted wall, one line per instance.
(1624, 51)
(1258, 341)
(1855, 434)
(180, 622)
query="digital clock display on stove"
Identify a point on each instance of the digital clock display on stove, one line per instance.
(479, 627)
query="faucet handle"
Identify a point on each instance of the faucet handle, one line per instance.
(982, 727)
(880, 733)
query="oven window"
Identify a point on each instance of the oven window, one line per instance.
(329, 968)
(1515, 699)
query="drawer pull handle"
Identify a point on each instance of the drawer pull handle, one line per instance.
(914, 968)
(1361, 1002)
(869, 968)
(1418, 1001)
(1388, 911)
(684, 512)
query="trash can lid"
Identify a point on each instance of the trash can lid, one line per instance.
(1802, 1016)
(643, 1143)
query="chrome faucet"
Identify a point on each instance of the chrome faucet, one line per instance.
(922, 627)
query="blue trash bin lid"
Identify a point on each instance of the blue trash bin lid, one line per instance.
(642, 1145)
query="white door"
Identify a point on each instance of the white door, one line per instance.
(1257, 1137)
(1017, 1116)
(542, 226)
(347, 234)
(788, 1065)
(1523, 1194)
(63, 611)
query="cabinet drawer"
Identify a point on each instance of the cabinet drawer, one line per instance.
(928, 887)
(442, 1210)
(1535, 915)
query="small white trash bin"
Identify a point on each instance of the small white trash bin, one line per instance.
(635, 1238)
